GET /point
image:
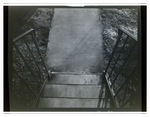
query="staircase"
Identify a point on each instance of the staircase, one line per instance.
(109, 91)
(71, 90)
(117, 88)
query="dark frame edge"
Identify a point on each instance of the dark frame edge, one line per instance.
(143, 59)
(6, 103)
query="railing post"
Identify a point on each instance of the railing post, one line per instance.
(112, 101)
(118, 56)
(118, 39)
(33, 58)
(37, 47)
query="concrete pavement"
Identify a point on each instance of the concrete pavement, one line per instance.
(75, 41)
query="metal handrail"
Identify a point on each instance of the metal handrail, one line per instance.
(107, 76)
(129, 34)
(39, 82)
(22, 35)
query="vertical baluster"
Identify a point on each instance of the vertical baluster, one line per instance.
(118, 56)
(27, 73)
(100, 96)
(123, 64)
(26, 63)
(23, 81)
(33, 58)
(127, 80)
(124, 95)
(118, 39)
(129, 100)
(37, 47)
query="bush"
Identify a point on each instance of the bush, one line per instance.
(41, 23)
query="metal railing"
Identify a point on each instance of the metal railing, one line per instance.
(29, 71)
(120, 74)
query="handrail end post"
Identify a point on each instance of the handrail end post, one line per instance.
(104, 72)
(49, 75)
(103, 77)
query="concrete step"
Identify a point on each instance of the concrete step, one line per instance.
(75, 79)
(77, 91)
(72, 103)
(74, 91)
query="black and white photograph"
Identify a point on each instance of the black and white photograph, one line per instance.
(75, 58)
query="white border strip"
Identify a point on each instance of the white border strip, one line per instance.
(73, 4)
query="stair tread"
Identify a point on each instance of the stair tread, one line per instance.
(78, 91)
(74, 91)
(72, 103)
(75, 79)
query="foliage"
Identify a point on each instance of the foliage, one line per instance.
(29, 77)
(41, 23)
(112, 19)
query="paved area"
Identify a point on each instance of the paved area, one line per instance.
(75, 41)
